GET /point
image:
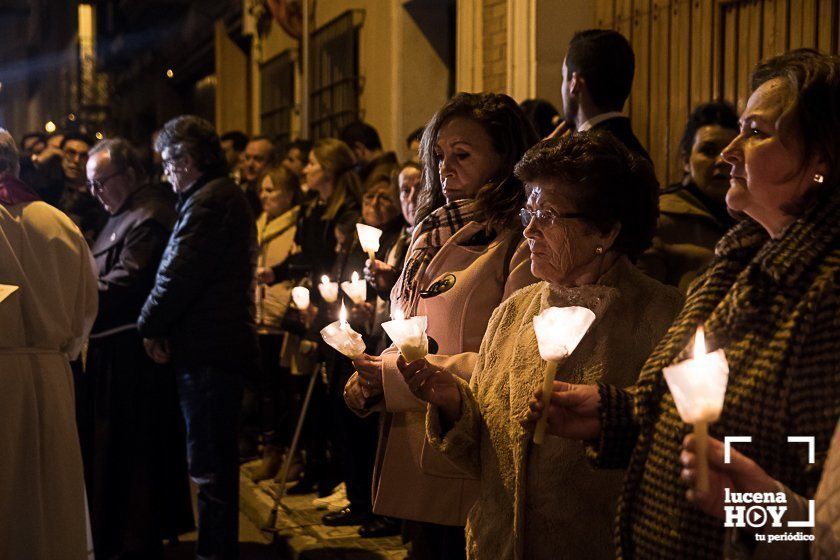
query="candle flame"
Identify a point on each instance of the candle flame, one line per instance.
(699, 343)
(398, 315)
(354, 277)
(325, 279)
(342, 315)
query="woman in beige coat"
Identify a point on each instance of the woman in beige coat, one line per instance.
(591, 210)
(280, 196)
(467, 255)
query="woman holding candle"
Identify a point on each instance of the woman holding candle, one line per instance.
(465, 257)
(280, 196)
(769, 300)
(590, 212)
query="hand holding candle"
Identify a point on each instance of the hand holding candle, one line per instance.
(559, 330)
(698, 386)
(409, 335)
(369, 239)
(342, 337)
(328, 290)
(300, 295)
(356, 288)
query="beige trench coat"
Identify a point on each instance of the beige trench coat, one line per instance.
(412, 480)
(547, 501)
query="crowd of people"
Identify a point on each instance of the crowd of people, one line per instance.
(150, 331)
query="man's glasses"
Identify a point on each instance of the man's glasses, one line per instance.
(171, 164)
(96, 186)
(546, 217)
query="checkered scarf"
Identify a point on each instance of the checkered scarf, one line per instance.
(429, 236)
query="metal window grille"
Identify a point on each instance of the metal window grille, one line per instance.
(335, 85)
(278, 97)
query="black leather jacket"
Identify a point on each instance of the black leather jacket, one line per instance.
(202, 301)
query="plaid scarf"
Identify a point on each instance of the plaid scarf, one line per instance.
(429, 236)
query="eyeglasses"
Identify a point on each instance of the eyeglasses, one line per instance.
(170, 164)
(98, 185)
(546, 217)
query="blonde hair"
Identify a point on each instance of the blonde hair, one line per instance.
(337, 159)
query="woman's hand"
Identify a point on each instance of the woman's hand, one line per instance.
(265, 275)
(434, 385)
(381, 276)
(369, 369)
(572, 413)
(742, 474)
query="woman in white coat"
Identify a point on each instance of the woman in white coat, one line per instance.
(466, 256)
(43, 324)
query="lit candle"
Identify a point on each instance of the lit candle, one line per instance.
(559, 330)
(698, 386)
(328, 290)
(356, 288)
(341, 336)
(369, 239)
(409, 335)
(300, 295)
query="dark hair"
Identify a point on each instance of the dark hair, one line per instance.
(511, 133)
(261, 137)
(123, 155)
(79, 136)
(305, 146)
(195, 136)
(812, 110)
(604, 58)
(415, 135)
(360, 132)
(611, 185)
(720, 113)
(541, 113)
(237, 137)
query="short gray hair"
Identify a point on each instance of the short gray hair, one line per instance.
(9, 155)
(195, 136)
(123, 155)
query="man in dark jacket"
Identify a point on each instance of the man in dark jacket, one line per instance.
(373, 164)
(597, 77)
(126, 404)
(200, 317)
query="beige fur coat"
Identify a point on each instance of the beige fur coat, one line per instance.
(547, 501)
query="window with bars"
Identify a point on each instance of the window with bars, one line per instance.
(277, 97)
(334, 64)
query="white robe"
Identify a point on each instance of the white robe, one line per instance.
(42, 326)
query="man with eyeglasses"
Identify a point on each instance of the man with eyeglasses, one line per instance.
(75, 199)
(127, 405)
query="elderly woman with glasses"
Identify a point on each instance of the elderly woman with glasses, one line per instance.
(591, 210)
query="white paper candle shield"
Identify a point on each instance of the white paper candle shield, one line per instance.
(328, 290)
(560, 329)
(342, 337)
(698, 385)
(300, 295)
(356, 289)
(409, 335)
(369, 238)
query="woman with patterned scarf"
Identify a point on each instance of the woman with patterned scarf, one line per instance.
(466, 256)
(770, 299)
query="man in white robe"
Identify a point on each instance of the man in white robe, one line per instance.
(43, 325)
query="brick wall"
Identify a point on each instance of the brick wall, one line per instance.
(494, 44)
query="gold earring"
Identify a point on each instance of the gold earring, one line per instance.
(819, 177)
(599, 250)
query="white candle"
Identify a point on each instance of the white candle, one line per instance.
(300, 295)
(341, 336)
(698, 386)
(328, 290)
(356, 288)
(409, 335)
(559, 330)
(369, 239)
